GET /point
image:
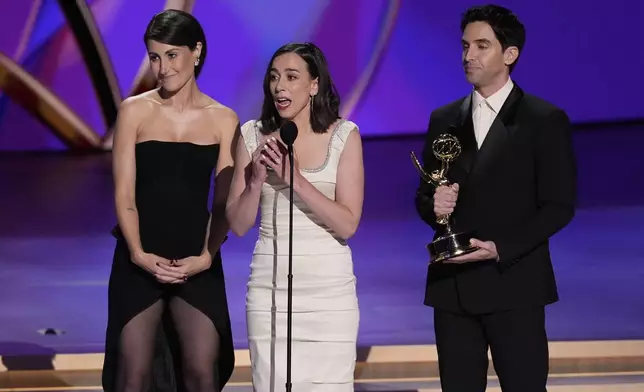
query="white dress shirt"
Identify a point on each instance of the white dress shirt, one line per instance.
(485, 110)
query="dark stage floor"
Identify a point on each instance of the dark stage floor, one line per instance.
(56, 213)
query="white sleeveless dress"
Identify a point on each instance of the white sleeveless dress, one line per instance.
(325, 305)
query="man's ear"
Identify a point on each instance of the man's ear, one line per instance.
(510, 55)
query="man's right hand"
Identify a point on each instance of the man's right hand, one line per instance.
(445, 199)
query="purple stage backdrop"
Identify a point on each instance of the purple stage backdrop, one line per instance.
(393, 61)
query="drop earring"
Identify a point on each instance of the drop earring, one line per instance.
(197, 62)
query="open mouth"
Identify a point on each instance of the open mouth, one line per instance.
(282, 103)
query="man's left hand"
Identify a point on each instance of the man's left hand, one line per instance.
(486, 251)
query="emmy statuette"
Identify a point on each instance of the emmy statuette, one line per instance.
(446, 149)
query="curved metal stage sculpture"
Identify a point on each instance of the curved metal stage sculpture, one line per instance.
(22, 88)
(43, 103)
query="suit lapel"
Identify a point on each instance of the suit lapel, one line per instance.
(500, 132)
(463, 128)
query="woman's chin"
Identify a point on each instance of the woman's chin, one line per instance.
(173, 85)
(288, 114)
(169, 88)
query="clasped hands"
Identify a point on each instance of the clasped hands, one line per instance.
(444, 202)
(172, 271)
(271, 153)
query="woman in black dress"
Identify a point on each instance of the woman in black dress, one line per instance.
(167, 266)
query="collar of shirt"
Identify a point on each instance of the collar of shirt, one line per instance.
(496, 100)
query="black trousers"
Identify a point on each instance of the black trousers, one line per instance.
(517, 341)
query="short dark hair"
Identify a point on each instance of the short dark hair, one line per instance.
(325, 106)
(177, 28)
(505, 24)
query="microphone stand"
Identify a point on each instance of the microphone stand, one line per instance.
(289, 311)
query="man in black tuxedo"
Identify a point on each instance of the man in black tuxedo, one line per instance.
(515, 187)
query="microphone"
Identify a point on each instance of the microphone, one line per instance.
(288, 134)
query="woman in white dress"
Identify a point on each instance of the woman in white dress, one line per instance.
(328, 191)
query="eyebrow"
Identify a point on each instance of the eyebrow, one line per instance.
(287, 69)
(480, 41)
(166, 52)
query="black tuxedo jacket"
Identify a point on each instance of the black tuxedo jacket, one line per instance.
(517, 190)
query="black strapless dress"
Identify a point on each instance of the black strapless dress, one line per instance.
(172, 192)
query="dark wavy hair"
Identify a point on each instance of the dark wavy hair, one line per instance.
(505, 24)
(177, 28)
(325, 109)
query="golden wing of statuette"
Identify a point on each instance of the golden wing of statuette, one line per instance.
(426, 176)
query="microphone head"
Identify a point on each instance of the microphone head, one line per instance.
(288, 133)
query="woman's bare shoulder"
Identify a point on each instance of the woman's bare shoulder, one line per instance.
(222, 114)
(139, 106)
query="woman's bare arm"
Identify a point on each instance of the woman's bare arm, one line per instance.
(245, 192)
(130, 115)
(218, 225)
(342, 215)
